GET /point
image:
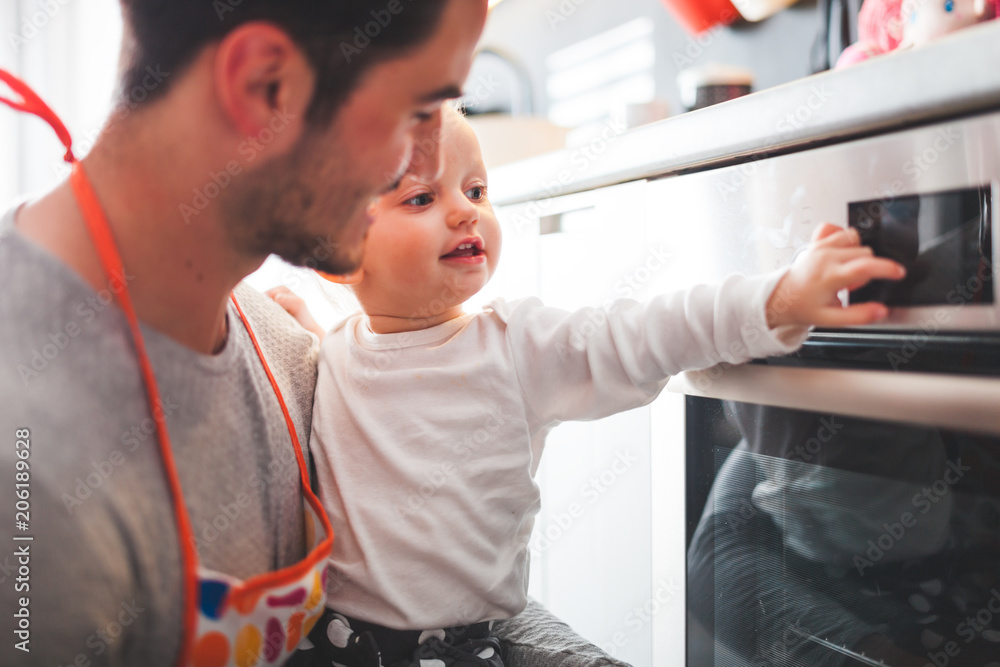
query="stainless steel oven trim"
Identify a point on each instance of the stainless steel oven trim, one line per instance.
(756, 218)
(945, 401)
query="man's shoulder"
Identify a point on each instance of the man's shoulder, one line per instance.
(46, 311)
(287, 346)
(291, 351)
(271, 324)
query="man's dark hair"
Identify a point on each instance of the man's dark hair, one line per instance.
(340, 38)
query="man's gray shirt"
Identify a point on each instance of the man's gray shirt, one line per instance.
(102, 574)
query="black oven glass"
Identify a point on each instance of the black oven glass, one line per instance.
(944, 240)
(821, 540)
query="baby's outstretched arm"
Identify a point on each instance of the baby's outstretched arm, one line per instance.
(835, 260)
(296, 307)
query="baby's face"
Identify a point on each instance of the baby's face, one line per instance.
(433, 244)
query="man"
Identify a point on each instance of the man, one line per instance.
(269, 127)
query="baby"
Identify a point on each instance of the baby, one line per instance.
(417, 400)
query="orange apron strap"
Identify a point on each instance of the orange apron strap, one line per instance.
(107, 250)
(33, 104)
(303, 470)
(111, 263)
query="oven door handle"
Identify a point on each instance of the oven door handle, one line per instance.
(946, 401)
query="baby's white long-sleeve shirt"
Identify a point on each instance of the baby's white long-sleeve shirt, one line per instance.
(427, 442)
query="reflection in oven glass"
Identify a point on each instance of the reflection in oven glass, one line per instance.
(828, 540)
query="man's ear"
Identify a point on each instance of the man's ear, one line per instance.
(349, 279)
(263, 82)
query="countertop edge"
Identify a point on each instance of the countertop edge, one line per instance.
(918, 86)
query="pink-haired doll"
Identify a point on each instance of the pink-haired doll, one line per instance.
(885, 25)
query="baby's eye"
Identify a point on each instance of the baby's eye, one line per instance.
(476, 193)
(949, 5)
(423, 199)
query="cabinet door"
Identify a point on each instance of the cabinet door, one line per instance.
(591, 547)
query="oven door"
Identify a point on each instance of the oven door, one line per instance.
(844, 515)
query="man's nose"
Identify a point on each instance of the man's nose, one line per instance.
(425, 159)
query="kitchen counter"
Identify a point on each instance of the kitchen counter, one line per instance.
(955, 76)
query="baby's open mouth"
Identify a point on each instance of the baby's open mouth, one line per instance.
(467, 249)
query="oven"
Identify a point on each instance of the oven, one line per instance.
(844, 517)
(842, 504)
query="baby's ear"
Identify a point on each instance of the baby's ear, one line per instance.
(349, 279)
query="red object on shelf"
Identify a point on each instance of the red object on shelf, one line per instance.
(697, 16)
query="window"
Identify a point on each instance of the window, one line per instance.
(67, 51)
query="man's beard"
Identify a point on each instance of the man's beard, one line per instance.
(278, 209)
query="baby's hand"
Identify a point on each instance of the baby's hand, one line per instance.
(296, 307)
(835, 260)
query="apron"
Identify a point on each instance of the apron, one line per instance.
(227, 621)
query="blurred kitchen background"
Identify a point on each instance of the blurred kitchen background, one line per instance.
(551, 74)
(556, 66)
(574, 65)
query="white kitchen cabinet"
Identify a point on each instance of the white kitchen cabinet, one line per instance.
(593, 543)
